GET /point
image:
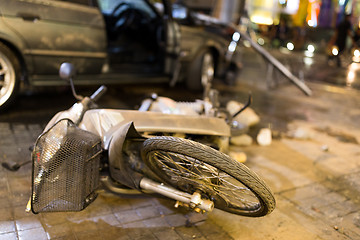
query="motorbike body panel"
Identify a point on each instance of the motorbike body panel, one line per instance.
(104, 122)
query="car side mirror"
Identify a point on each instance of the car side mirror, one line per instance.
(67, 71)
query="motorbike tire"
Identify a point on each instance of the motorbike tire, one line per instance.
(163, 156)
(9, 76)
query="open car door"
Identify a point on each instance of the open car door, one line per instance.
(172, 41)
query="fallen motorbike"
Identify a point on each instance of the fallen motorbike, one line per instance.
(85, 146)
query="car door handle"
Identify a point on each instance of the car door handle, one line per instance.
(28, 16)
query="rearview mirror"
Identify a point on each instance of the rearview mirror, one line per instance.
(67, 71)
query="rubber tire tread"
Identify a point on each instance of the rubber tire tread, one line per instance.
(193, 78)
(219, 160)
(17, 68)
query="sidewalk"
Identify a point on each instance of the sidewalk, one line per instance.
(315, 177)
(313, 167)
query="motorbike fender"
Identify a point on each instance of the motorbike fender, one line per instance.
(119, 169)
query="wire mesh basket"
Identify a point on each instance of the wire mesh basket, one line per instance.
(65, 168)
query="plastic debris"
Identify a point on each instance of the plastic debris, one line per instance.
(242, 140)
(247, 117)
(325, 148)
(264, 137)
(300, 133)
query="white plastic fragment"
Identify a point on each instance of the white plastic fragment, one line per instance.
(248, 117)
(264, 137)
(242, 140)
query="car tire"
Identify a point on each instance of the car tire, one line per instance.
(9, 76)
(201, 71)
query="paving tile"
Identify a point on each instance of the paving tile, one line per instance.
(93, 235)
(7, 226)
(155, 222)
(105, 221)
(217, 236)
(209, 228)
(127, 216)
(20, 185)
(53, 219)
(58, 231)
(28, 223)
(141, 201)
(117, 233)
(94, 210)
(349, 225)
(307, 191)
(190, 233)
(119, 205)
(137, 230)
(19, 212)
(176, 220)
(32, 234)
(4, 126)
(20, 199)
(6, 214)
(148, 212)
(195, 218)
(165, 209)
(8, 236)
(166, 233)
(83, 226)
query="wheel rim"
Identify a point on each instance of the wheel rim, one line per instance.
(190, 174)
(7, 79)
(207, 71)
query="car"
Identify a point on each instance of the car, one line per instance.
(109, 42)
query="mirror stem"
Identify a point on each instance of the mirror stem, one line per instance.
(78, 97)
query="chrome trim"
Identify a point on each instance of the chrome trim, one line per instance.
(66, 53)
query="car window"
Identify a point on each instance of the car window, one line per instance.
(108, 6)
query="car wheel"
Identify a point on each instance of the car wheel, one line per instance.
(9, 76)
(201, 71)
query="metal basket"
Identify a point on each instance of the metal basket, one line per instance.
(65, 168)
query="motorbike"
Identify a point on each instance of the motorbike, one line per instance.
(86, 148)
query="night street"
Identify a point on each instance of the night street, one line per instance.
(312, 165)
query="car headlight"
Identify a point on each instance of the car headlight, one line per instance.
(290, 46)
(311, 48)
(335, 50)
(357, 53)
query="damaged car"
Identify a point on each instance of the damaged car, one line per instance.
(109, 42)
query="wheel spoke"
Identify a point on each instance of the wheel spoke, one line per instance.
(181, 167)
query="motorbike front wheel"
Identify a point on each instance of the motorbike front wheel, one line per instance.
(194, 167)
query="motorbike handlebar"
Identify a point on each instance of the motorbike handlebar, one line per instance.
(98, 94)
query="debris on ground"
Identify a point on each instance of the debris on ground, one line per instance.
(301, 133)
(242, 140)
(340, 136)
(264, 137)
(248, 117)
(325, 148)
(238, 156)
